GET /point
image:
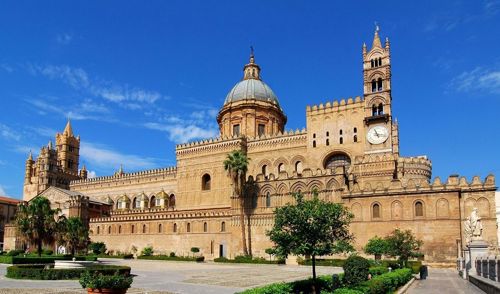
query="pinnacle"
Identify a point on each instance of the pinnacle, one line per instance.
(68, 130)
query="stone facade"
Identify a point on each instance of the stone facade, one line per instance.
(8, 207)
(348, 153)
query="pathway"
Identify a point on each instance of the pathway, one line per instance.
(443, 281)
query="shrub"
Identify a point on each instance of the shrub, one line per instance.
(47, 251)
(128, 256)
(147, 251)
(277, 288)
(97, 280)
(356, 270)
(249, 259)
(323, 262)
(389, 282)
(15, 252)
(195, 249)
(378, 270)
(38, 272)
(414, 266)
(97, 247)
(172, 254)
(376, 246)
(173, 258)
(345, 291)
(6, 259)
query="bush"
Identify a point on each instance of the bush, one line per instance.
(195, 249)
(15, 252)
(378, 270)
(356, 270)
(173, 258)
(414, 266)
(249, 259)
(38, 272)
(323, 262)
(147, 251)
(389, 282)
(345, 291)
(47, 252)
(97, 247)
(172, 254)
(97, 280)
(277, 288)
(376, 246)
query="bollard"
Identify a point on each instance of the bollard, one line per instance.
(492, 267)
(497, 261)
(478, 266)
(423, 272)
(484, 267)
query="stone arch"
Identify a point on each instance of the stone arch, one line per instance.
(282, 189)
(267, 188)
(442, 208)
(315, 184)
(261, 165)
(376, 210)
(298, 187)
(295, 161)
(334, 159)
(397, 210)
(469, 205)
(277, 164)
(483, 206)
(418, 208)
(375, 75)
(357, 211)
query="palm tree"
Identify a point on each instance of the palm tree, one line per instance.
(75, 234)
(236, 164)
(36, 222)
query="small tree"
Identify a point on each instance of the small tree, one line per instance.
(270, 251)
(147, 251)
(75, 234)
(356, 270)
(376, 246)
(311, 228)
(36, 222)
(195, 250)
(403, 244)
(97, 248)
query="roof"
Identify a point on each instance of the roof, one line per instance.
(4, 199)
(251, 89)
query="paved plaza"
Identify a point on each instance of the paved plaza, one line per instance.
(164, 277)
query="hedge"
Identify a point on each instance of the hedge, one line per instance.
(323, 262)
(173, 258)
(249, 259)
(38, 272)
(42, 260)
(120, 256)
(394, 264)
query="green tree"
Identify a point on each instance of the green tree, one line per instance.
(310, 228)
(403, 244)
(36, 222)
(75, 234)
(195, 250)
(147, 251)
(236, 165)
(97, 247)
(376, 246)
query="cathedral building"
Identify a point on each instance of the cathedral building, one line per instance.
(348, 153)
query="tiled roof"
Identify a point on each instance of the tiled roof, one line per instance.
(9, 200)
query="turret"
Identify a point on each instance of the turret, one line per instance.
(28, 169)
(83, 173)
(68, 149)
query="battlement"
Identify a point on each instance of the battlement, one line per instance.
(284, 134)
(224, 144)
(127, 176)
(335, 105)
(162, 213)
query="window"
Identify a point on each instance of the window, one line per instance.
(171, 201)
(205, 227)
(314, 135)
(98, 230)
(109, 230)
(314, 144)
(374, 85)
(419, 209)
(374, 110)
(355, 130)
(327, 134)
(188, 227)
(159, 228)
(261, 129)
(337, 159)
(205, 182)
(223, 227)
(379, 84)
(254, 201)
(137, 202)
(380, 109)
(327, 142)
(143, 229)
(281, 167)
(158, 202)
(355, 138)
(236, 130)
(376, 210)
(119, 229)
(340, 132)
(298, 167)
(70, 163)
(268, 200)
(153, 202)
(372, 63)
(132, 229)
(341, 140)
(175, 228)
(380, 61)
(264, 170)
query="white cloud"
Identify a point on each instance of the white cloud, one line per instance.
(75, 77)
(2, 191)
(7, 67)
(8, 134)
(478, 79)
(64, 39)
(91, 174)
(105, 157)
(87, 110)
(180, 133)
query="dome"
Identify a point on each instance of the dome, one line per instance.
(251, 89)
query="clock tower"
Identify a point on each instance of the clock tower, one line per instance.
(381, 132)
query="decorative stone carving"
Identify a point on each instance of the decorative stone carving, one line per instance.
(473, 227)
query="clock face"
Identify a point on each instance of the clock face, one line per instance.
(377, 135)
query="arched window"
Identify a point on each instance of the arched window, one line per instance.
(327, 142)
(144, 229)
(152, 202)
(119, 229)
(380, 61)
(341, 140)
(171, 201)
(281, 167)
(264, 170)
(98, 230)
(340, 132)
(419, 209)
(298, 167)
(268, 199)
(374, 110)
(355, 130)
(136, 202)
(175, 228)
(337, 159)
(205, 227)
(355, 139)
(314, 144)
(327, 134)
(109, 230)
(132, 229)
(374, 86)
(376, 210)
(380, 109)
(160, 228)
(223, 227)
(379, 84)
(314, 135)
(205, 182)
(188, 227)
(372, 63)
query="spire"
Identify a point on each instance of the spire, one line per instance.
(30, 157)
(68, 131)
(376, 38)
(50, 145)
(251, 70)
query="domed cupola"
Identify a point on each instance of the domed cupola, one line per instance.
(251, 108)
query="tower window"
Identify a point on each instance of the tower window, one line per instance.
(327, 142)
(205, 227)
(70, 163)
(98, 230)
(132, 229)
(281, 167)
(206, 182)
(419, 209)
(372, 63)
(119, 229)
(236, 130)
(171, 201)
(314, 135)
(143, 229)
(380, 61)
(159, 228)
(298, 167)
(379, 84)
(374, 85)
(355, 130)
(376, 210)
(223, 227)
(327, 134)
(314, 144)
(188, 227)
(264, 170)
(341, 140)
(340, 132)
(261, 129)
(109, 230)
(175, 228)
(374, 110)
(380, 109)
(355, 138)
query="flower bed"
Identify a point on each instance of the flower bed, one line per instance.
(39, 272)
(173, 258)
(249, 259)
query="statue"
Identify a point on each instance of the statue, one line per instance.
(473, 227)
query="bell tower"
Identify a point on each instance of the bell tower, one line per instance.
(68, 150)
(381, 131)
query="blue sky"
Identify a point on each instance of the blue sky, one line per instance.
(138, 77)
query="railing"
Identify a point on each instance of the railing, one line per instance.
(488, 267)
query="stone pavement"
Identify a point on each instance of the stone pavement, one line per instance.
(443, 281)
(161, 277)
